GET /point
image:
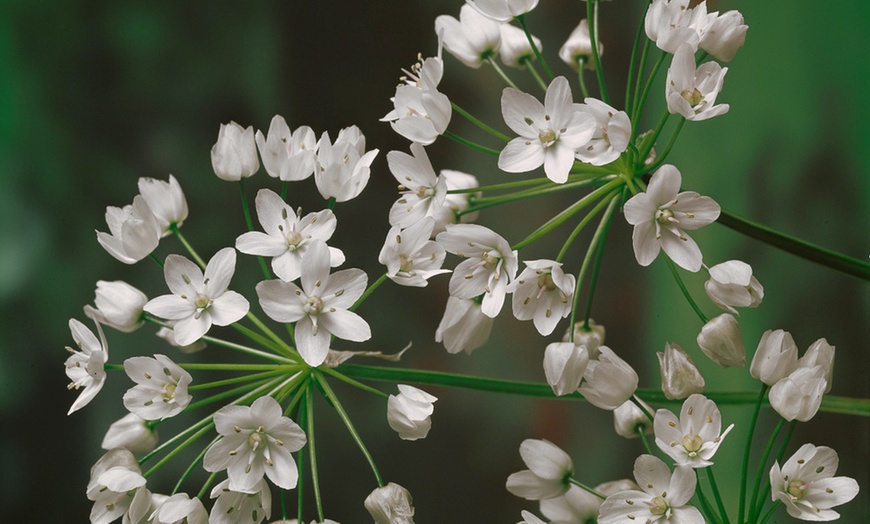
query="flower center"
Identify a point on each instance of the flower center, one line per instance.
(201, 301)
(545, 281)
(658, 506)
(168, 392)
(665, 216)
(692, 96)
(796, 489)
(256, 439)
(692, 443)
(313, 305)
(547, 137)
(294, 238)
(424, 192)
(490, 259)
(405, 265)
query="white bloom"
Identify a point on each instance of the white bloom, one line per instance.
(119, 305)
(455, 203)
(611, 136)
(542, 293)
(421, 113)
(503, 10)
(720, 339)
(471, 39)
(660, 215)
(422, 190)
(166, 201)
(168, 334)
(236, 507)
(548, 473)
(732, 284)
(257, 440)
(692, 92)
(133, 231)
(799, 395)
(117, 488)
(530, 518)
(807, 486)
(515, 48)
(608, 380)
(578, 47)
(693, 440)
(590, 335)
(287, 237)
(320, 307)
(820, 353)
(490, 266)
(550, 133)
(578, 506)
(680, 376)
(234, 155)
(390, 504)
(86, 364)
(664, 497)
(724, 36)
(180, 508)
(775, 358)
(343, 168)
(131, 432)
(628, 419)
(464, 326)
(287, 156)
(564, 365)
(411, 258)
(199, 300)
(671, 23)
(409, 413)
(161, 390)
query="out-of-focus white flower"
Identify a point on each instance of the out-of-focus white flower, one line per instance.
(287, 156)
(660, 215)
(820, 353)
(542, 293)
(117, 488)
(464, 326)
(168, 334)
(692, 92)
(578, 47)
(775, 358)
(550, 133)
(131, 432)
(86, 365)
(611, 136)
(628, 419)
(515, 47)
(806, 484)
(732, 284)
(133, 231)
(503, 10)
(455, 203)
(671, 23)
(343, 167)
(119, 305)
(471, 39)
(422, 190)
(161, 390)
(410, 412)
(720, 339)
(608, 380)
(799, 395)
(530, 518)
(548, 473)
(420, 112)
(564, 365)
(390, 504)
(234, 155)
(411, 258)
(166, 201)
(680, 376)
(578, 506)
(724, 35)
(693, 440)
(251, 507)
(180, 508)
(590, 335)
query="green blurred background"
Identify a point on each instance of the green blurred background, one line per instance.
(95, 94)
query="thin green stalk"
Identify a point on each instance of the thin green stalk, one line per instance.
(706, 507)
(483, 203)
(208, 482)
(759, 475)
(685, 291)
(312, 454)
(540, 181)
(300, 391)
(581, 69)
(531, 67)
(631, 63)
(593, 278)
(250, 224)
(368, 291)
(641, 431)
(259, 339)
(256, 337)
(269, 333)
(229, 393)
(660, 158)
(235, 380)
(636, 401)
(522, 20)
(782, 447)
(638, 109)
(355, 383)
(229, 367)
(592, 16)
(192, 466)
(770, 511)
(606, 201)
(193, 438)
(586, 488)
(479, 123)
(501, 73)
(746, 452)
(187, 246)
(635, 124)
(473, 145)
(651, 140)
(156, 259)
(284, 185)
(300, 463)
(330, 204)
(716, 495)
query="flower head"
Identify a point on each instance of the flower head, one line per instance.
(455, 203)
(343, 168)
(464, 326)
(180, 508)
(608, 380)
(390, 504)
(720, 339)
(548, 473)
(680, 376)
(411, 258)
(287, 156)
(134, 231)
(577, 48)
(471, 39)
(422, 191)
(166, 201)
(807, 486)
(241, 507)
(85, 366)
(421, 113)
(131, 432)
(564, 365)
(503, 10)
(799, 395)
(234, 155)
(542, 293)
(117, 488)
(410, 412)
(693, 440)
(611, 136)
(629, 420)
(161, 390)
(775, 358)
(724, 36)
(119, 305)
(692, 92)
(515, 47)
(732, 284)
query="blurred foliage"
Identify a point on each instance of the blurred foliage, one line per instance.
(96, 94)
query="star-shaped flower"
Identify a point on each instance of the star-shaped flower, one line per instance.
(693, 440)
(692, 92)
(161, 390)
(85, 367)
(542, 293)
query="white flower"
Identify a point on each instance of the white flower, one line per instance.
(455, 203)
(629, 419)
(390, 504)
(421, 113)
(236, 507)
(86, 365)
(724, 36)
(692, 92)
(515, 48)
(807, 486)
(732, 284)
(671, 23)
(550, 133)
(411, 258)
(820, 353)
(578, 506)
(680, 376)
(422, 190)
(161, 390)
(166, 201)
(799, 395)
(471, 39)
(503, 10)
(287, 237)
(464, 326)
(720, 340)
(257, 440)
(320, 307)
(608, 380)
(664, 497)
(490, 266)
(542, 293)
(180, 508)
(199, 300)
(530, 518)
(775, 358)
(287, 156)
(409, 413)
(611, 136)
(564, 365)
(693, 440)
(119, 305)
(131, 432)
(578, 47)
(590, 335)
(133, 231)
(660, 215)
(234, 155)
(548, 473)
(168, 334)
(343, 168)
(117, 488)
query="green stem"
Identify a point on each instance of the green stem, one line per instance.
(762, 468)
(641, 431)
(746, 452)
(581, 66)
(650, 141)
(660, 158)
(531, 67)
(522, 20)
(631, 63)
(174, 228)
(312, 453)
(258, 338)
(300, 463)
(635, 125)
(716, 495)
(269, 333)
(355, 383)
(156, 259)
(368, 292)
(236, 380)
(479, 123)
(638, 109)
(636, 401)
(782, 447)
(606, 201)
(209, 481)
(586, 488)
(545, 189)
(706, 507)
(770, 511)
(592, 16)
(193, 465)
(473, 145)
(593, 278)
(685, 291)
(193, 438)
(501, 73)
(330, 204)
(250, 223)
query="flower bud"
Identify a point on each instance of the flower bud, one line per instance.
(720, 340)
(628, 418)
(131, 432)
(590, 335)
(119, 305)
(799, 395)
(390, 504)
(608, 381)
(680, 376)
(724, 36)
(579, 47)
(234, 155)
(820, 353)
(168, 334)
(410, 412)
(548, 473)
(166, 201)
(180, 508)
(464, 327)
(133, 231)
(732, 284)
(564, 365)
(515, 47)
(775, 357)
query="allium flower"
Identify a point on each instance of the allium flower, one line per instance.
(343, 168)
(720, 339)
(86, 366)
(550, 468)
(131, 432)
(161, 390)
(608, 380)
(133, 231)
(807, 486)
(680, 376)
(611, 137)
(775, 358)
(542, 293)
(455, 203)
(117, 488)
(199, 300)
(422, 190)
(320, 307)
(664, 497)
(578, 506)
(119, 305)
(799, 395)
(166, 201)
(471, 39)
(660, 215)
(180, 508)
(530, 518)
(671, 23)
(550, 133)
(724, 36)
(503, 10)
(257, 440)
(464, 326)
(491, 264)
(168, 334)
(692, 92)
(411, 258)
(515, 47)
(732, 284)
(820, 353)
(590, 335)
(564, 365)
(234, 155)
(236, 507)
(287, 237)
(287, 156)
(628, 419)
(410, 412)
(578, 47)
(390, 504)
(421, 113)
(693, 440)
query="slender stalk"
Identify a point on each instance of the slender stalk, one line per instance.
(531, 67)
(300, 463)
(606, 201)
(193, 438)
(581, 67)
(592, 16)
(770, 511)
(782, 447)
(638, 109)
(479, 123)
(208, 482)
(499, 187)
(762, 468)
(636, 400)
(586, 488)
(250, 223)
(593, 278)
(716, 495)
(635, 117)
(187, 246)
(660, 158)
(473, 145)
(685, 291)
(312, 454)
(268, 332)
(156, 259)
(651, 140)
(355, 383)
(193, 465)
(483, 203)
(236, 380)
(746, 452)
(706, 507)
(522, 20)
(501, 73)
(631, 63)
(258, 338)
(641, 431)
(368, 291)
